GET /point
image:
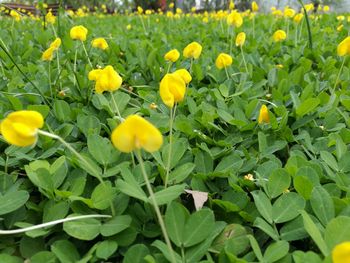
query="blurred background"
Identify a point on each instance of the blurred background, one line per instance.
(265, 5)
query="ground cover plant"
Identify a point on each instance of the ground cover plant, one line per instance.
(171, 137)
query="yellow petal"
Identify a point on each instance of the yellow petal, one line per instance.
(20, 128)
(344, 47)
(173, 55)
(172, 89)
(341, 253)
(192, 50)
(184, 74)
(264, 115)
(135, 133)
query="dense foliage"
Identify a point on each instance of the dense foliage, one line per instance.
(278, 189)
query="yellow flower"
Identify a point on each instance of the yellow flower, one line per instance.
(344, 47)
(231, 5)
(171, 5)
(193, 9)
(234, 19)
(184, 74)
(50, 18)
(172, 89)
(192, 50)
(48, 54)
(100, 43)
(326, 8)
(78, 32)
(173, 55)
(240, 39)
(148, 12)
(309, 7)
(255, 7)
(56, 43)
(289, 12)
(279, 35)
(139, 10)
(136, 133)
(264, 115)
(340, 28)
(15, 15)
(107, 79)
(341, 253)
(298, 18)
(223, 61)
(128, 27)
(277, 13)
(340, 18)
(20, 128)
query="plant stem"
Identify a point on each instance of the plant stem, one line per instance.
(155, 206)
(183, 257)
(307, 23)
(171, 122)
(339, 73)
(80, 157)
(50, 85)
(116, 107)
(87, 55)
(143, 24)
(245, 63)
(23, 74)
(227, 75)
(169, 66)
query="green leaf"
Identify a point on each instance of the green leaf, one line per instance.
(84, 229)
(293, 230)
(330, 160)
(65, 251)
(181, 173)
(264, 226)
(279, 181)
(11, 201)
(322, 204)
(287, 207)
(165, 251)
(103, 195)
(106, 248)
(115, 225)
(100, 148)
(315, 233)
(255, 246)
(169, 194)
(303, 186)
(43, 256)
(263, 205)
(307, 106)
(344, 164)
(136, 254)
(276, 251)
(175, 219)
(337, 231)
(58, 171)
(198, 227)
(62, 111)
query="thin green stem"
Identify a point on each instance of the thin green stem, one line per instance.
(75, 66)
(191, 65)
(171, 122)
(143, 24)
(296, 35)
(183, 256)
(244, 62)
(53, 29)
(156, 207)
(339, 73)
(87, 55)
(169, 66)
(253, 26)
(116, 108)
(307, 23)
(231, 41)
(50, 84)
(227, 75)
(80, 157)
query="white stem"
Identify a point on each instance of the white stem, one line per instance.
(51, 223)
